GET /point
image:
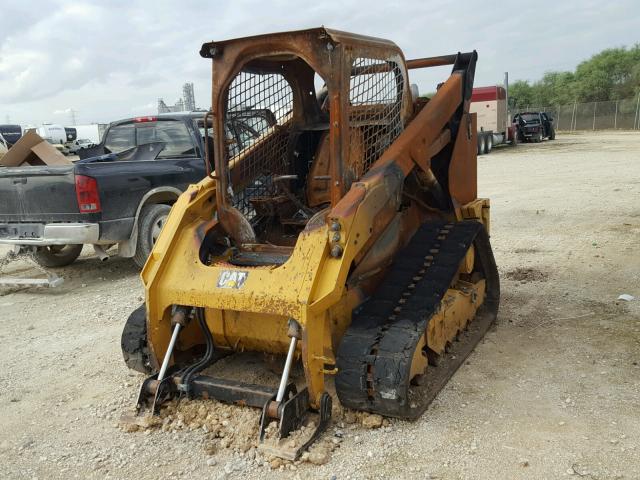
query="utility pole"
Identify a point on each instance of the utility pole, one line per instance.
(506, 93)
(72, 115)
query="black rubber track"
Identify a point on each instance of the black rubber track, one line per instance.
(134, 341)
(374, 357)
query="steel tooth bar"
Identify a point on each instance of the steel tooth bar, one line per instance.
(229, 391)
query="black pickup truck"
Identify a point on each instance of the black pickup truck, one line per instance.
(534, 126)
(120, 193)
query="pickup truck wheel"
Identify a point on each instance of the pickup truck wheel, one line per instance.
(152, 219)
(134, 341)
(53, 256)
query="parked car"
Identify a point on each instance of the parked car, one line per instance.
(534, 126)
(80, 144)
(121, 196)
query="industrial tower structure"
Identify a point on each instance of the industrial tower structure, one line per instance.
(185, 104)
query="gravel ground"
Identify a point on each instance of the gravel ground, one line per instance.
(553, 391)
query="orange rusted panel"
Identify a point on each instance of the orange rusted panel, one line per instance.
(463, 169)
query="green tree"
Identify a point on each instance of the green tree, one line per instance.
(520, 94)
(612, 74)
(608, 75)
(555, 88)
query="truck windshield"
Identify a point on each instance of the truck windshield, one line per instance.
(531, 117)
(120, 138)
(173, 133)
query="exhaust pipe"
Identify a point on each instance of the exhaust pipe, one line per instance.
(102, 255)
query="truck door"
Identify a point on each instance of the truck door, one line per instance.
(546, 127)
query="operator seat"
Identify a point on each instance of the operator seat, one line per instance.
(319, 178)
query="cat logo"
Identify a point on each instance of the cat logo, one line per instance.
(232, 279)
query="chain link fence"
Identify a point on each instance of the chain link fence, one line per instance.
(614, 114)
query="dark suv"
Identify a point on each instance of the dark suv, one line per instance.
(534, 126)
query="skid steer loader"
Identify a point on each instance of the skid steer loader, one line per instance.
(346, 235)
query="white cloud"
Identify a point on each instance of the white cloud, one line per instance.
(112, 59)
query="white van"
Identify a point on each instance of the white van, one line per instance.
(52, 133)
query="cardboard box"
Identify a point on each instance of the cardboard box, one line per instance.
(31, 149)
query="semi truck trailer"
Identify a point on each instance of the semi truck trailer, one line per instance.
(494, 120)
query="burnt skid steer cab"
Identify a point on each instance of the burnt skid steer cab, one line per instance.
(347, 237)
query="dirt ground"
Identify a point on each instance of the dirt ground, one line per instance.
(553, 391)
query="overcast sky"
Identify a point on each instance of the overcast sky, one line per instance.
(113, 59)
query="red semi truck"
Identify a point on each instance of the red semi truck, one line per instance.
(494, 121)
